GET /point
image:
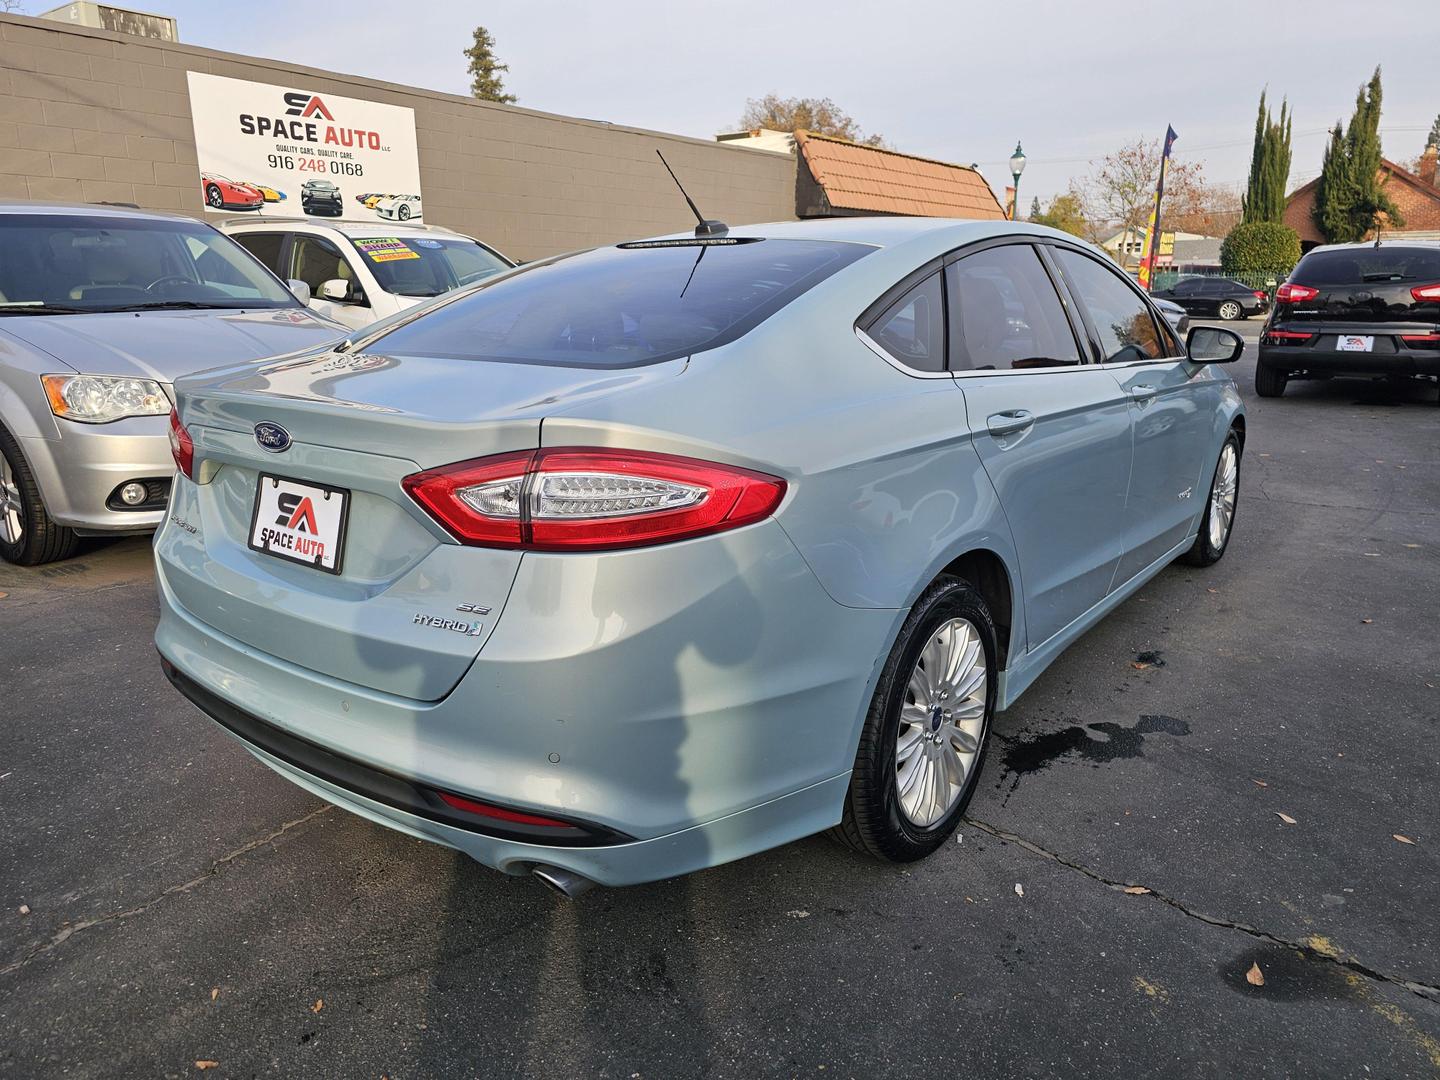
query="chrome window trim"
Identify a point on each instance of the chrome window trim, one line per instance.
(904, 369)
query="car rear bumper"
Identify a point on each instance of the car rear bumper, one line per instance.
(80, 469)
(706, 721)
(1329, 362)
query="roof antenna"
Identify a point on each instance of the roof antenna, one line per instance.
(706, 227)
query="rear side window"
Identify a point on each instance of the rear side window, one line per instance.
(912, 329)
(1121, 318)
(1005, 314)
(1360, 266)
(617, 307)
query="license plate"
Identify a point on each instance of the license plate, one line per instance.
(304, 523)
(1355, 343)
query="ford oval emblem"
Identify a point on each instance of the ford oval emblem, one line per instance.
(272, 438)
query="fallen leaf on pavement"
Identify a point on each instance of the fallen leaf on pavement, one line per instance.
(206, 1064)
(1285, 818)
(214, 992)
(1255, 977)
(1138, 666)
(1258, 783)
(1212, 590)
(1402, 839)
(1019, 889)
(1367, 622)
(1136, 890)
(319, 1004)
(24, 909)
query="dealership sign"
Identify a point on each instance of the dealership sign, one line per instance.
(286, 151)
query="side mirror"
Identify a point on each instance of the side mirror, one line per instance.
(1212, 345)
(300, 289)
(335, 289)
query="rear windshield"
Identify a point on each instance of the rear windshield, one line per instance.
(426, 266)
(1357, 266)
(616, 307)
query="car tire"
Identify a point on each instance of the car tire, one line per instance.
(878, 818)
(214, 198)
(28, 536)
(1229, 309)
(1221, 504)
(1269, 382)
(403, 213)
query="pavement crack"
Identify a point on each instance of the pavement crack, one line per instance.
(1308, 949)
(219, 864)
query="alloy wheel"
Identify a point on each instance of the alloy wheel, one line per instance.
(1229, 310)
(12, 520)
(1222, 496)
(941, 723)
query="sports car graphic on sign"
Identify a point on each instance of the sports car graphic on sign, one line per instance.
(222, 193)
(399, 207)
(269, 194)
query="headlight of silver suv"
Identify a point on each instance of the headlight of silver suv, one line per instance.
(98, 399)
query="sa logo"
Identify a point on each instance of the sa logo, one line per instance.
(305, 105)
(296, 512)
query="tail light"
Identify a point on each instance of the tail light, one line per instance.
(1425, 293)
(182, 447)
(1282, 337)
(500, 813)
(1261, 294)
(1420, 339)
(582, 499)
(1290, 293)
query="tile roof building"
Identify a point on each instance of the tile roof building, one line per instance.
(837, 178)
(1415, 195)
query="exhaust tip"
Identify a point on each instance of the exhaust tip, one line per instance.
(565, 882)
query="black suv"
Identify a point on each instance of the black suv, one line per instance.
(1221, 297)
(1354, 309)
(320, 197)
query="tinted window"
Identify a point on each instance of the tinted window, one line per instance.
(1121, 318)
(912, 329)
(1188, 287)
(426, 266)
(1357, 266)
(1005, 313)
(264, 246)
(614, 307)
(95, 263)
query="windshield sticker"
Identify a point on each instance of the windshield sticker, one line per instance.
(427, 243)
(385, 249)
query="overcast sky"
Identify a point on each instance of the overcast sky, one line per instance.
(949, 79)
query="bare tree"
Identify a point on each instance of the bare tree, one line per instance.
(820, 115)
(16, 7)
(1120, 191)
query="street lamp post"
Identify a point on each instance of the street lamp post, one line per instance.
(1017, 166)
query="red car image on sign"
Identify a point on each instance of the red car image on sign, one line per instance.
(222, 193)
(303, 523)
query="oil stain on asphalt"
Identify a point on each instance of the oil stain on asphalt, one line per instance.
(1095, 744)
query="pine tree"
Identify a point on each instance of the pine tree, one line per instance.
(485, 71)
(1035, 208)
(1434, 139)
(1269, 165)
(1349, 198)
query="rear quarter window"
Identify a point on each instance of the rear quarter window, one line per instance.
(623, 306)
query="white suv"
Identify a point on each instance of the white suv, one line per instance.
(358, 273)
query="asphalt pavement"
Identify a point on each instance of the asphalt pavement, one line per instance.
(1213, 782)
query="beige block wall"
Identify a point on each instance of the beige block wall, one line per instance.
(96, 116)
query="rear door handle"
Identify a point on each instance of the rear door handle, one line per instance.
(1143, 393)
(1010, 422)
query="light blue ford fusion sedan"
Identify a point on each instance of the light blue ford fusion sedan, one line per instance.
(640, 560)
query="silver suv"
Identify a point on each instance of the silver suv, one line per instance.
(100, 310)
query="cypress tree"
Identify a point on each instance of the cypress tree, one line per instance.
(486, 82)
(1349, 199)
(1269, 166)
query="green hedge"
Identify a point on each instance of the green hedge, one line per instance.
(1260, 247)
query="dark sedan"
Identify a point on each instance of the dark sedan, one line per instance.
(1222, 298)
